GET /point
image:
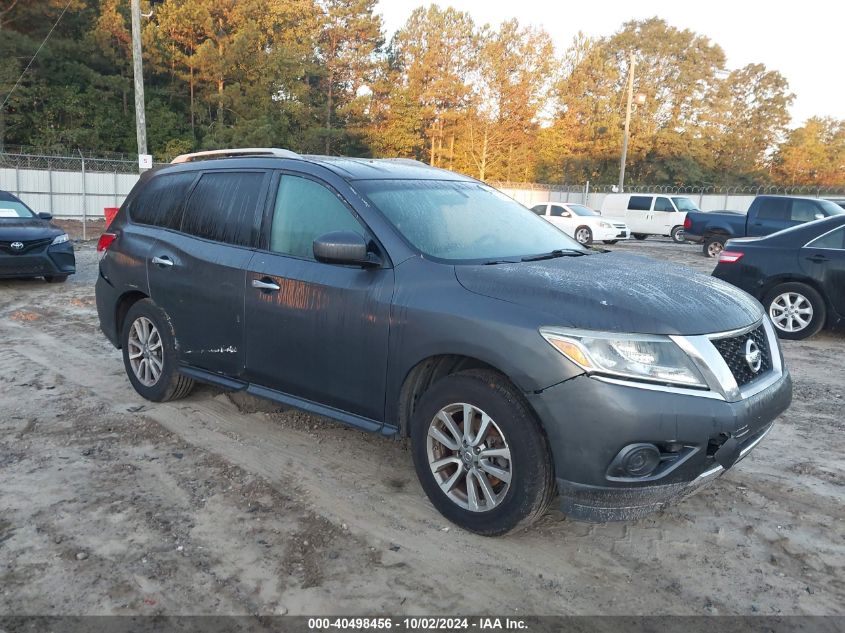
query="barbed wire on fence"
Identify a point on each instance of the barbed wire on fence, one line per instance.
(101, 162)
(753, 190)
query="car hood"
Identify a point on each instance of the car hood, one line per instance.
(27, 230)
(616, 292)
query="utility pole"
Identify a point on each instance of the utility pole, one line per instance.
(631, 65)
(140, 115)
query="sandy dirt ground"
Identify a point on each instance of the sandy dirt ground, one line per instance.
(219, 504)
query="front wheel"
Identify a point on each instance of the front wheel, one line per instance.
(480, 454)
(149, 354)
(677, 235)
(584, 235)
(639, 236)
(797, 310)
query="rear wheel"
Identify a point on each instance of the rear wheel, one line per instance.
(797, 310)
(480, 454)
(677, 235)
(713, 246)
(639, 236)
(584, 235)
(149, 354)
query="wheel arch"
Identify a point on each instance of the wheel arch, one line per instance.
(419, 378)
(124, 304)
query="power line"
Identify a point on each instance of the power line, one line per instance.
(49, 33)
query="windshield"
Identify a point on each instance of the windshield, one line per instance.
(684, 204)
(580, 209)
(464, 221)
(831, 208)
(14, 209)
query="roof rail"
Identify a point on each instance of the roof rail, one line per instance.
(244, 151)
(406, 161)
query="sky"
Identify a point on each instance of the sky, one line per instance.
(804, 41)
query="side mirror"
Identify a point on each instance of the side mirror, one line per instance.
(820, 216)
(343, 247)
(45, 216)
(565, 214)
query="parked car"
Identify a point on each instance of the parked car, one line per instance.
(582, 223)
(766, 215)
(411, 301)
(798, 274)
(649, 213)
(30, 245)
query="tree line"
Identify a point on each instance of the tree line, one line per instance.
(495, 102)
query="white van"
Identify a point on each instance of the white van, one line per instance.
(649, 213)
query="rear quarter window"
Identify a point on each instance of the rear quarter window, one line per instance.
(222, 207)
(773, 209)
(639, 203)
(160, 201)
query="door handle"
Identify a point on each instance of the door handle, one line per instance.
(164, 260)
(265, 284)
(818, 258)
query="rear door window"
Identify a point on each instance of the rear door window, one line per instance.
(160, 201)
(803, 211)
(639, 203)
(304, 211)
(663, 204)
(773, 209)
(833, 240)
(539, 209)
(222, 207)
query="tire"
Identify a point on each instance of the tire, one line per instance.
(677, 235)
(168, 384)
(806, 321)
(583, 235)
(512, 505)
(610, 241)
(639, 236)
(713, 246)
(55, 279)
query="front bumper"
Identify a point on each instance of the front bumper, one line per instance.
(615, 233)
(588, 421)
(47, 261)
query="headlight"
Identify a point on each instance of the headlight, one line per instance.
(634, 356)
(605, 225)
(60, 239)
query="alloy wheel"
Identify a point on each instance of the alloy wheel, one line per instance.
(469, 457)
(583, 236)
(146, 353)
(714, 249)
(791, 312)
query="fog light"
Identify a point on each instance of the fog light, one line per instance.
(637, 460)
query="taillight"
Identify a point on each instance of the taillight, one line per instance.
(687, 223)
(730, 257)
(105, 241)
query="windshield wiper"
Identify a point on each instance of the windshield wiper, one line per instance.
(560, 252)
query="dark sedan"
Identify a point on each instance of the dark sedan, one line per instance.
(30, 246)
(798, 274)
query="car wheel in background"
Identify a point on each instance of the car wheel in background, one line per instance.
(480, 454)
(796, 310)
(584, 235)
(610, 241)
(678, 235)
(55, 279)
(713, 246)
(639, 236)
(149, 354)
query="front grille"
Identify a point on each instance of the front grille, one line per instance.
(28, 247)
(733, 350)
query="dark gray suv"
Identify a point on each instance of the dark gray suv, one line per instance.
(412, 301)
